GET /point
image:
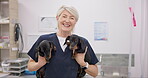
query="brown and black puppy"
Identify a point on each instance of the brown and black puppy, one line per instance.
(76, 44)
(44, 49)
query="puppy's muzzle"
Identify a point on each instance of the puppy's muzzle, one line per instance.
(73, 46)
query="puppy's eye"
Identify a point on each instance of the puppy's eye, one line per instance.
(68, 41)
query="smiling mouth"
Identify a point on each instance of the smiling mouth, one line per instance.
(66, 25)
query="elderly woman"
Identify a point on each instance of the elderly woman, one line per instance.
(61, 64)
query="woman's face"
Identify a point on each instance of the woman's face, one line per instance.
(66, 21)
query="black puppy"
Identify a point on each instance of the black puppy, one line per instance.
(76, 44)
(44, 49)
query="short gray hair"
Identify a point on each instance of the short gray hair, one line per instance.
(70, 9)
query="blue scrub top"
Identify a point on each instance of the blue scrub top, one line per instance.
(61, 65)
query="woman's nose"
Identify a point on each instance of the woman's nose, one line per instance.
(67, 20)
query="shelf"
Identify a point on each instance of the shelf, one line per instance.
(3, 23)
(8, 17)
(17, 66)
(19, 60)
(4, 48)
(16, 71)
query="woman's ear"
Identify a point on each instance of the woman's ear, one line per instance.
(57, 17)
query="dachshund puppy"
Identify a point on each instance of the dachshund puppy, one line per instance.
(44, 49)
(76, 44)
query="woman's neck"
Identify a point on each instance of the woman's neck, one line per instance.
(63, 34)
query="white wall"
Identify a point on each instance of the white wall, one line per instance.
(139, 40)
(115, 12)
(123, 38)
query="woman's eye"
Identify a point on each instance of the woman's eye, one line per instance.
(64, 16)
(72, 18)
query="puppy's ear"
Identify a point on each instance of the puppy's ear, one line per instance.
(36, 55)
(41, 51)
(67, 40)
(36, 52)
(53, 46)
(83, 46)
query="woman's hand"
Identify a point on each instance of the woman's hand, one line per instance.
(79, 57)
(41, 61)
(34, 66)
(92, 69)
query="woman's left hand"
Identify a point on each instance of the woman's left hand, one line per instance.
(79, 57)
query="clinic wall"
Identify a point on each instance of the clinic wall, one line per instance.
(122, 38)
(139, 42)
(114, 12)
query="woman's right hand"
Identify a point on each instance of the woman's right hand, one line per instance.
(34, 66)
(41, 61)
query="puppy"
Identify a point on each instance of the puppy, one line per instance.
(44, 49)
(76, 44)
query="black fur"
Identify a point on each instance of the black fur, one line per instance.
(44, 49)
(75, 42)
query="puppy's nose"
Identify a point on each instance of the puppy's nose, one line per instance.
(71, 48)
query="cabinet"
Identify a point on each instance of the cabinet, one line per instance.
(8, 18)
